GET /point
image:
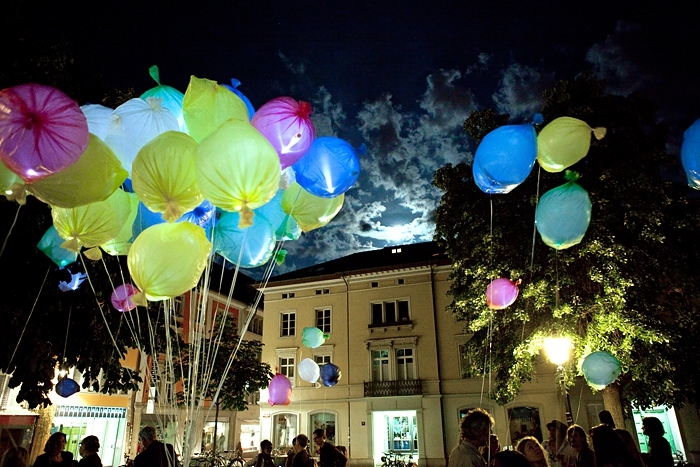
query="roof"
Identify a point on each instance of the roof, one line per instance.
(221, 279)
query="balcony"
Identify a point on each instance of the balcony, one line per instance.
(393, 388)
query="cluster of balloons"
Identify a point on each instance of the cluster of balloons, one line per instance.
(600, 369)
(170, 178)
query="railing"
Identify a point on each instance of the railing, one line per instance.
(411, 387)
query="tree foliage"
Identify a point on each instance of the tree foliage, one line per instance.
(630, 287)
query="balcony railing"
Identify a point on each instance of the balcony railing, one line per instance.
(411, 387)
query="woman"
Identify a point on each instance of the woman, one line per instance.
(610, 450)
(534, 452)
(579, 443)
(88, 450)
(16, 456)
(659, 453)
(54, 454)
(556, 446)
(509, 459)
(301, 455)
(264, 458)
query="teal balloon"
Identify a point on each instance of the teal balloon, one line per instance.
(329, 168)
(51, 243)
(600, 368)
(563, 215)
(312, 337)
(171, 97)
(286, 228)
(505, 158)
(248, 247)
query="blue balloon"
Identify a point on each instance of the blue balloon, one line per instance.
(600, 368)
(505, 158)
(330, 374)
(203, 215)
(254, 245)
(690, 154)
(562, 215)
(234, 87)
(329, 168)
(66, 387)
(286, 228)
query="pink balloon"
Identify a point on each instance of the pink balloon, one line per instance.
(501, 293)
(280, 390)
(121, 297)
(287, 126)
(42, 131)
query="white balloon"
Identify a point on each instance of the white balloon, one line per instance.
(309, 370)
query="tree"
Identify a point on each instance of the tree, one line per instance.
(630, 287)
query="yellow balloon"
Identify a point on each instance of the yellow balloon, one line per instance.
(563, 142)
(167, 259)
(310, 211)
(94, 177)
(163, 175)
(12, 185)
(93, 224)
(121, 244)
(237, 168)
(207, 105)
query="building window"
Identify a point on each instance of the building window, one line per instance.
(395, 250)
(284, 430)
(322, 359)
(323, 320)
(288, 324)
(286, 362)
(393, 359)
(288, 295)
(401, 281)
(325, 421)
(405, 369)
(375, 284)
(323, 354)
(380, 365)
(390, 312)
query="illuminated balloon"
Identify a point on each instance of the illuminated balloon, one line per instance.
(135, 123)
(330, 374)
(163, 175)
(207, 105)
(171, 97)
(247, 247)
(287, 125)
(12, 185)
(309, 370)
(311, 212)
(94, 177)
(121, 244)
(313, 337)
(690, 154)
(329, 168)
(237, 168)
(42, 131)
(97, 117)
(501, 293)
(505, 158)
(234, 87)
(66, 387)
(203, 215)
(167, 260)
(600, 369)
(563, 214)
(50, 244)
(121, 297)
(563, 142)
(280, 390)
(286, 228)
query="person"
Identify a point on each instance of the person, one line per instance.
(631, 446)
(16, 456)
(88, 450)
(557, 447)
(659, 452)
(491, 448)
(329, 455)
(153, 452)
(474, 432)
(301, 455)
(609, 449)
(54, 454)
(606, 417)
(290, 454)
(264, 458)
(578, 441)
(509, 459)
(533, 451)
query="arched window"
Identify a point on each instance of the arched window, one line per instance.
(285, 427)
(325, 420)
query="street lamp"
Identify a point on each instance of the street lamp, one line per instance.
(558, 350)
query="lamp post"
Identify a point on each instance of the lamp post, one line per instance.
(558, 350)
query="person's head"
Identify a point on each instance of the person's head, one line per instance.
(608, 446)
(266, 447)
(532, 450)
(652, 427)
(56, 443)
(577, 438)
(319, 437)
(16, 456)
(509, 459)
(476, 427)
(301, 442)
(147, 435)
(89, 445)
(606, 417)
(557, 431)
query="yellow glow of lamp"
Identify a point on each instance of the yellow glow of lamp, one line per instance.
(558, 349)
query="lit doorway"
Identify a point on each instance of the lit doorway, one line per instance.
(394, 431)
(668, 420)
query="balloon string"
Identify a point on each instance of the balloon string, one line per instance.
(556, 267)
(7, 237)
(534, 223)
(99, 305)
(65, 343)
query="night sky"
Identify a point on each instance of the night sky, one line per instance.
(399, 77)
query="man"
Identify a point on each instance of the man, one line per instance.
(264, 458)
(330, 456)
(475, 432)
(301, 456)
(153, 452)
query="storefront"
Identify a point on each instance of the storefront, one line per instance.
(107, 423)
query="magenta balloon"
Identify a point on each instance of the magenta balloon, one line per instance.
(42, 131)
(280, 390)
(121, 297)
(501, 293)
(287, 126)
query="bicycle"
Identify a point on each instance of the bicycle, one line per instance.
(680, 460)
(396, 459)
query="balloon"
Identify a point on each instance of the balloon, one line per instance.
(135, 123)
(563, 142)
(167, 260)
(237, 168)
(121, 244)
(50, 244)
(12, 185)
(329, 168)
(311, 212)
(207, 105)
(563, 214)
(234, 88)
(287, 125)
(247, 247)
(505, 158)
(42, 131)
(97, 117)
(313, 337)
(202, 215)
(600, 368)
(92, 224)
(66, 387)
(280, 390)
(501, 293)
(94, 177)
(163, 175)
(690, 154)
(171, 97)
(309, 370)
(121, 297)
(286, 228)
(330, 374)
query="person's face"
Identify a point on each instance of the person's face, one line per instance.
(576, 441)
(297, 446)
(61, 445)
(552, 432)
(318, 440)
(533, 452)
(81, 450)
(267, 450)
